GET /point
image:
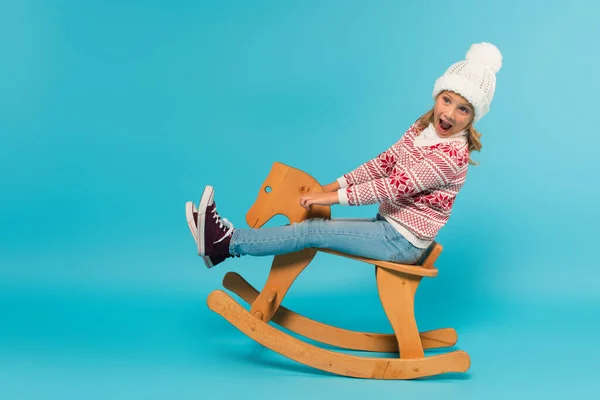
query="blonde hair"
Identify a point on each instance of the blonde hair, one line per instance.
(472, 134)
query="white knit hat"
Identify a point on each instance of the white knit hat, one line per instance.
(473, 78)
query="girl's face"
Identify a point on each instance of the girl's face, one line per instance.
(451, 113)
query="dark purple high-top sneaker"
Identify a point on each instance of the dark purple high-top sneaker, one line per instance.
(213, 232)
(191, 213)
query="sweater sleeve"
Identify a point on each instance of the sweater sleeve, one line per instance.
(378, 167)
(438, 168)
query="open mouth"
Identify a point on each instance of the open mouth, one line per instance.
(443, 127)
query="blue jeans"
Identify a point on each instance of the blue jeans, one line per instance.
(372, 238)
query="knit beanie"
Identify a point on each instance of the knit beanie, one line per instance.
(473, 78)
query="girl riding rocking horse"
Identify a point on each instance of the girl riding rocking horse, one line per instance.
(415, 182)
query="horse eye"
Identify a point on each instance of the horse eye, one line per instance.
(268, 189)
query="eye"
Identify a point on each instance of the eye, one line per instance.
(465, 110)
(446, 99)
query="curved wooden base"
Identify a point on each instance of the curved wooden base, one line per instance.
(330, 361)
(331, 335)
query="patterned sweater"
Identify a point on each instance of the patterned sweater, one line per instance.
(415, 185)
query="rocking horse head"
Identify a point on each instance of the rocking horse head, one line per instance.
(280, 194)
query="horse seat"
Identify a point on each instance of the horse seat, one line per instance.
(425, 268)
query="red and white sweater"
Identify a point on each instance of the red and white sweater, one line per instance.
(415, 182)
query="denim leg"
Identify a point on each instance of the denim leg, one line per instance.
(374, 238)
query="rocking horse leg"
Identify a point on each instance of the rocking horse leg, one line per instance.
(284, 270)
(327, 334)
(397, 293)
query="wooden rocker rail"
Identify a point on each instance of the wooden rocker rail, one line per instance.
(330, 361)
(327, 334)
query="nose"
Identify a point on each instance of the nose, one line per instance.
(450, 114)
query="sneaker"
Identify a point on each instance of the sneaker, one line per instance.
(191, 213)
(213, 232)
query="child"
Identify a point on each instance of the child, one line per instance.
(415, 183)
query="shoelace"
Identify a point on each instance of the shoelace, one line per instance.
(222, 222)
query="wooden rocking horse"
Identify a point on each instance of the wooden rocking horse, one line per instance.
(396, 283)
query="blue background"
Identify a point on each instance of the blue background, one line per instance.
(114, 113)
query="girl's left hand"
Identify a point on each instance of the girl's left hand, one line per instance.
(322, 199)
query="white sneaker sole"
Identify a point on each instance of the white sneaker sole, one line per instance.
(190, 209)
(205, 201)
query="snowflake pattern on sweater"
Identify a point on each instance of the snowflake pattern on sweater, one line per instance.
(414, 185)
